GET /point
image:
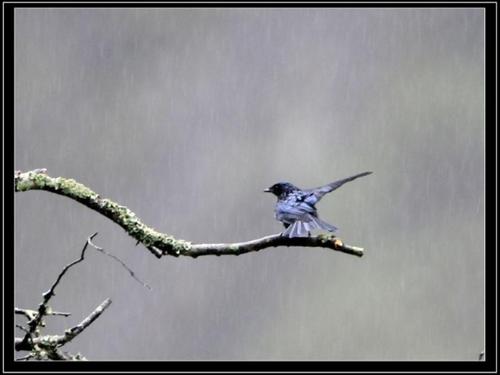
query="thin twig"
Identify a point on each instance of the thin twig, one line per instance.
(132, 273)
(42, 309)
(47, 347)
(25, 358)
(69, 334)
(59, 313)
(22, 328)
(36, 320)
(31, 313)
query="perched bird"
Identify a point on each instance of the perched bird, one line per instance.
(295, 207)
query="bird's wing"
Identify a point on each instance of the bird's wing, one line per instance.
(292, 208)
(314, 195)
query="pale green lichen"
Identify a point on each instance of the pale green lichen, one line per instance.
(50, 340)
(74, 189)
(120, 214)
(24, 183)
(234, 247)
(66, 186)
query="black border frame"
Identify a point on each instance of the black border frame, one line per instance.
(488, 365)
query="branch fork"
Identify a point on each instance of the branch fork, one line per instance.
(48, 346)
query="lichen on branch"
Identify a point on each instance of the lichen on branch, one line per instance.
(156, 242)
(161, 244)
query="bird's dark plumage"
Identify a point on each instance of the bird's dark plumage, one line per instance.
(296, 209)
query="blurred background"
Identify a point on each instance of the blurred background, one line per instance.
(186, 115)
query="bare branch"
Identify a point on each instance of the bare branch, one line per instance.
(22, 328)
(274, 240)
(160, 244)
(25, 358)
(69, 334)
(43, 310)
(132, 273)
(47, 347)
(31, 313)
(59, 313)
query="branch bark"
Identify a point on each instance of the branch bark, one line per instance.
(274, 240)
(160, 244)
(60, 340)
(43, 309)
(49, 346)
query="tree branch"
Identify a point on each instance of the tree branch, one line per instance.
(130, 271)
(35, 318)
(69, 334)
(160, 244)
(29, 314)
(25, 358)
(274, 240)
(43, 309)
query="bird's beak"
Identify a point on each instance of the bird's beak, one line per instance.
(267, 190)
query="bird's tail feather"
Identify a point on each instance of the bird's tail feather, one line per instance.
(302, 228)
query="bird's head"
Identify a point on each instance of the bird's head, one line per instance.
(281, 188)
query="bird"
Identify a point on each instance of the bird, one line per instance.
(295, 207)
